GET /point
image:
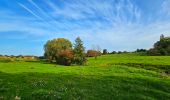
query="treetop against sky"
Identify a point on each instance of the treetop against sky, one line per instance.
(26, 25)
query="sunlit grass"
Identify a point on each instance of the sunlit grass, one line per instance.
(97, 80)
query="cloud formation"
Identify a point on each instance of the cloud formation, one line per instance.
(111, 24)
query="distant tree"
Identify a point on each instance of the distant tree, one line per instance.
(125, 52)
(20, 56)
(113, 52)
(161, 37)
(105, 51)
(59, 51)
(6, 55)
(92, 53)
(119, 52)
(95, 51)
(41, 57)
(153, 52)
(12, 56)
(98, 49)
(79, 56)
(161, 47)
(141, 50)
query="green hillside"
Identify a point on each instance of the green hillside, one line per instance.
(119, 76)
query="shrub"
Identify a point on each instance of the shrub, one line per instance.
(65, 57)
(92, 53)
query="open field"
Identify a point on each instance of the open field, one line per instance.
(119, 76)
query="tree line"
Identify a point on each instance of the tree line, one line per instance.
(62, 51)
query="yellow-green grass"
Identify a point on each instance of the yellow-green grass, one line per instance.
(107, 77)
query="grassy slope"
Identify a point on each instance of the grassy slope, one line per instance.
(98, 80)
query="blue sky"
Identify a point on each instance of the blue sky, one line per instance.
(26, 25)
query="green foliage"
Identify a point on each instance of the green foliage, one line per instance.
(105, 51)
(161, 47)
(113, 52)
(141, 50)
(55, 49)
(79, 52)
(65, 57)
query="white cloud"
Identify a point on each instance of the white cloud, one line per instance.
(113, 25)
(30, 11)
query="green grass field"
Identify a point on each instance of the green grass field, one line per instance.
(110, 77)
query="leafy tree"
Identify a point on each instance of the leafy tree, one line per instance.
(119, 52)
(59, 51)
(113, 52)
(92, 53)
(95, 51)
(79, 52)
(161, 47)
(141, 50)
(105, 51)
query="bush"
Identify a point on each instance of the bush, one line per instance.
(65, 57)
(92, 53)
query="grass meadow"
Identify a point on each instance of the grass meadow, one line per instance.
(109, 77)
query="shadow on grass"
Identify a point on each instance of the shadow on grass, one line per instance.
(38, 86)
(42, 62)
(158, 68)
(5, 61)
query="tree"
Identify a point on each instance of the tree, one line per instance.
(105, 51)
(161, 47)
(65, 57)
(92, 53)
(119, 52)
(113, 52)
(95, 51)
(161, 37)
(58, 51)
(79, 52)
(141, 50)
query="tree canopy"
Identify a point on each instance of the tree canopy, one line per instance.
(161, 47)
(79, 52)
(59, 51)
